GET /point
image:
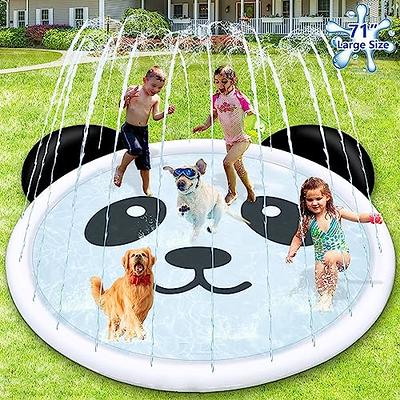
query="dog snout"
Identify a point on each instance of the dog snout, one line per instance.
(181, 185)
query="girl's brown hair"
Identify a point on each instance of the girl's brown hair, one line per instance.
(313, 183)
(228, 71)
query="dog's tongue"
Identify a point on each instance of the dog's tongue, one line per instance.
(139, 268)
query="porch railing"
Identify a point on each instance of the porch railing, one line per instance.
(278, 25)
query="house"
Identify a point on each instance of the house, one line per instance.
(263, 16)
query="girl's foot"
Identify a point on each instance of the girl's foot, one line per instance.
(251, 196)
(325, 302)
(118, 178)
(230, 198)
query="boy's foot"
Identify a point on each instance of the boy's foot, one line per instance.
(251, 196)
(230, 198)
(148, 193)
(118, 178)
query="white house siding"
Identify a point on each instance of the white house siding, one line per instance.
(61, 9)
(156, 5)
(15, 5)
(116, 8)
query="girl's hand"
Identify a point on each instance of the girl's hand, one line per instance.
(130, 94)
(200, 128)
(171, 109)
(375, 218)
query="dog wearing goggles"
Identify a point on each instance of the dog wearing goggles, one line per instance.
(197, 200)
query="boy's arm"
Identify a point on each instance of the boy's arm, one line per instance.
(132, 91)
(294, 246)
(374, 218)
(157, 114)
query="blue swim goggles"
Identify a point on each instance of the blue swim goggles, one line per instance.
(190, 173)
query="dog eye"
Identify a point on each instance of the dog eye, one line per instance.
(282, 219)
(128, 221)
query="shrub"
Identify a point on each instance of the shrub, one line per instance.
(227, 44)
(270, 40)
(61, 39)
(13, 37)
(150, 23)
(384, 35)
(58, 39)
(35, 33)
(96, 39)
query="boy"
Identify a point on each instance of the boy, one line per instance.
(140, 101)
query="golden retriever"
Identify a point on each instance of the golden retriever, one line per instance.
(129, 299)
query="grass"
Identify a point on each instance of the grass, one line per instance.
(369, 369)
(13, 58)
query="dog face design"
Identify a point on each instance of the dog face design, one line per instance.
(186, 275)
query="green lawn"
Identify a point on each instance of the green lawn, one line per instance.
(369, 369)
(13, 58)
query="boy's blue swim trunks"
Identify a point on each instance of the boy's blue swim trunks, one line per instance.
(136, 140)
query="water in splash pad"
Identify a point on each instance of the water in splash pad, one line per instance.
(244, 319)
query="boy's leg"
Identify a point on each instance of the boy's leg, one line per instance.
(234, 153)
(120, 171)
(145, 175)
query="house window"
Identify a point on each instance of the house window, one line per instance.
(178, 10)
(249, 10)
(286, 8)
(78, 17)
(323, 8)
(203, 11)
(44, 17)
(21, 18)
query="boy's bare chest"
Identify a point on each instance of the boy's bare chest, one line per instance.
(144, 103)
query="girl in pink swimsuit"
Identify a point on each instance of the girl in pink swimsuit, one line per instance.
(230, 106)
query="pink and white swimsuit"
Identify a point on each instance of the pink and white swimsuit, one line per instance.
(231, 110)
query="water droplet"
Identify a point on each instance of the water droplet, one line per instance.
(391, 33)
(355, 56)
(350, 14)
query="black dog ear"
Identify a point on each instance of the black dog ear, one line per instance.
(36, 177)
(201, 166)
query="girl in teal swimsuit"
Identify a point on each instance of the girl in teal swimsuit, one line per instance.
(323, 220)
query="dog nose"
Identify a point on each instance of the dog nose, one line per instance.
(197, 257)
(181, 185)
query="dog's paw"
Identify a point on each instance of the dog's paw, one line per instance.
(130, 335)
(141, 335)
(183, 209)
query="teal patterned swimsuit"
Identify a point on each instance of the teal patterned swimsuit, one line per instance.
(332, 239)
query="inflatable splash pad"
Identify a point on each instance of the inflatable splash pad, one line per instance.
(228, 312)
